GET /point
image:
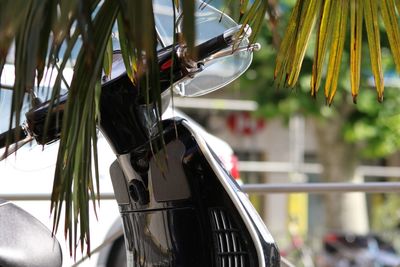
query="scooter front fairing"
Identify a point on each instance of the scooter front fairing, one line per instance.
(187, 210)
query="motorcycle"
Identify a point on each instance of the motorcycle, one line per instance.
(352, 250)
(178, 204)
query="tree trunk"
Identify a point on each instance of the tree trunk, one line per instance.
(344, 212)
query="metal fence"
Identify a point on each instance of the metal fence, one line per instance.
(319, 188)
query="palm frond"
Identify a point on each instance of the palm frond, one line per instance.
(73, 177)
(331, 29)
(45, 34)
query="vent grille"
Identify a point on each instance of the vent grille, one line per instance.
(229, 245)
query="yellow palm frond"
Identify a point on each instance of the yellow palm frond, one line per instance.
(331, 20)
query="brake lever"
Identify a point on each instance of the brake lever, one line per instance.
(195, 67)
(230, 51)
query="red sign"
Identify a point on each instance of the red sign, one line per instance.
(244, 124)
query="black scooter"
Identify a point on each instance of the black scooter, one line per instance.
(179, 206)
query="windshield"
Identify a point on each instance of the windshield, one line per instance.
(210, 22)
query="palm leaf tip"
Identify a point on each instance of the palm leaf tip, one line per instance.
(373, 34)
(355, 98)
(356, 20)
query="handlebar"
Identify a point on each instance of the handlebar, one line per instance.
(208, 48)
(222, 41)
(34, 128)
(213, 48)
(36, 120)
(12, 136)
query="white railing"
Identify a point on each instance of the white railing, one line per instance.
(291, 187)
(322, 188)
(267, 188)
(313, 168)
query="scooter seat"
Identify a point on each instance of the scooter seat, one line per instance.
(25, 241)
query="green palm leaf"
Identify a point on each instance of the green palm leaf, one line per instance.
(74, 165)
(294, 43)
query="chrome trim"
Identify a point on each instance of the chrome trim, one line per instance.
(255, 217)
(160, 40)
(126, 167)
(231, 192)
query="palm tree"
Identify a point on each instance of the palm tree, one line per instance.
(44, 34)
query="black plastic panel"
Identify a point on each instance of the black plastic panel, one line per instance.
(165, 238)
(182, 231)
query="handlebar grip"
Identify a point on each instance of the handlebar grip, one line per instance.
(12, 136)
(221, 41)
(211, 46)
